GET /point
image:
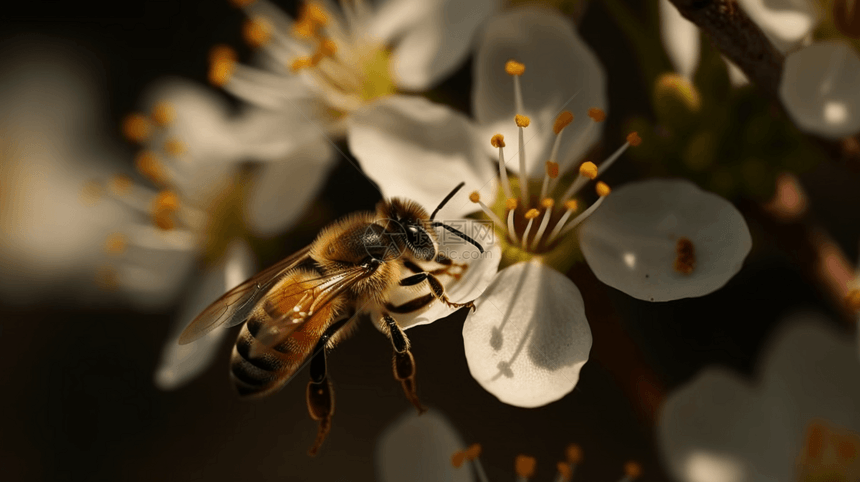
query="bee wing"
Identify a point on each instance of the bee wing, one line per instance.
(318, 296)
(233, 307)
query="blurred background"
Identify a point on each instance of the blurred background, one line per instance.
(78, 359)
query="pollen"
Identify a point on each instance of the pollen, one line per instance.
(257, 31)
(166, 200)
(316, 13)
(458, 458)
(222, 52)
(573, 453)
(221, 70)
(563, 120)
(327, 48)
(304, 29)
(552, 169)
(564, 471)
(633, 139)
(473, 452)
(175, 147)
(163, 113)
(163, 220)
(602, 189)
(525, 466)
(136, 127)
(512, 67)
(570, 205)
(598, 115)
(685, 259)
(632, 470)
(532, 213)
(475, 197)
(547, 202)
(497, 140)
(302, 63)
(522, 120)
(149, 165)
(511, 204)
(120, 184)
(116, 243)
(853, 300)
(588, 169)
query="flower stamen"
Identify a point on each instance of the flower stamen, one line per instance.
(551, 174)
(523, 122)
(475, 197)
(602, 191)
(524, 467)
(498, 141)
(632, 471)
(136, 128)
(570, 206)
(547, 204)
(257, 31)
(531, 214)
(511, 205)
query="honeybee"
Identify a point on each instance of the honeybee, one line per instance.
(298, 309)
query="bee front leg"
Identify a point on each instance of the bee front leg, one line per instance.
(436, 289)
(404, 362)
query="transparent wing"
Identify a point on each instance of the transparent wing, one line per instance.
(234, 306)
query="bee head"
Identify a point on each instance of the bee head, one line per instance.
(408, 225)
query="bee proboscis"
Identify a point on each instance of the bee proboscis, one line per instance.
(299, 308)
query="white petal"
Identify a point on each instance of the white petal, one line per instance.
(819, 89)
(272, 135)
(529, 338)
(785, 22)
(181, 363)
(482, 268)
(419, 150)
(720, 429)
(630, 241)
(418, 448)
(283, 190)
(680, 38)
(437, 44)
(562, 73)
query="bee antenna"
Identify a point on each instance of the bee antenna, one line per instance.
(445, 201)
(457, 232)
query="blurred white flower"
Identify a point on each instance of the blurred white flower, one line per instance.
(798, 422)
(819, 89)
(51, 142)
(660, 240)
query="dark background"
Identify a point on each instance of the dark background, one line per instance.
(78, 400)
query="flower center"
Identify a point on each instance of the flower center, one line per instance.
(346, 69)
(538, 219)
(829, 454)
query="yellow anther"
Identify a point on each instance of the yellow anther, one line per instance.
(163, 113)
(116, 243)
(633, 139)
(532, 213)
(573, 451)
(563, 120)
(163, 219)
(602, 189)
(525, 466)
(120, 184)
(685, 259)
(571, 205)
(458, 458)
(512, 67)
(473, 452)
(174, 147)
(475, 197)
(302, 63)
(150, 166)
(92, 192)
(304, 29)
(598, 115)
(552, 169)
(852, 299)
(511, 203)
(166, 200)
(221, 71)
(522, 120)
(547, 202)
(257, 31)
(632, 470)
(315, 12)
(242, 3)
(222, 52)
(327, 48)
(497, 140)
(136, 127)
(588, 169)
(564, 470)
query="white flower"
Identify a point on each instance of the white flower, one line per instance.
(529, 337)
(819, 89)
(798, 422)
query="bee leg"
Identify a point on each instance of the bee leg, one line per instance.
(449, 264)
(436, 288)
(404, 362)
(320, 393)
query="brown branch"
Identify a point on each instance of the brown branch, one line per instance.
(743, 42)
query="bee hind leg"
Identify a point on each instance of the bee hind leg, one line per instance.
(320, 393)
(404, 362)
